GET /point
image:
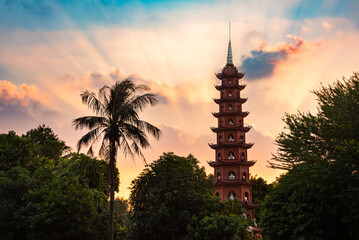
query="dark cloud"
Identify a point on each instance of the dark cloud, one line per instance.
(262, 61)
(260, 64)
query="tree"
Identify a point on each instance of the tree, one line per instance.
(318, 198)
(121, 216)
(15, 151)
(51, 202)
(24, 150)
(46, 142)
(172, 199)
(260, 190)
(61, 198)
(317, 201)
(322, 137)
(118, 125)
(220, 226)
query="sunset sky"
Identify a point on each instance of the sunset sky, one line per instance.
(51, 51)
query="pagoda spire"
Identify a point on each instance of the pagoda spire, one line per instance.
(229, 53)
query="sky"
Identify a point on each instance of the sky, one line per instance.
(51, 51)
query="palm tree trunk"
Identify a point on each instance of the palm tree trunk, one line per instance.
(111, 223)
(111, 190)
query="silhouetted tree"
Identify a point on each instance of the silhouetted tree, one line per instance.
(172, 199)
(117, 126)
(318, 198)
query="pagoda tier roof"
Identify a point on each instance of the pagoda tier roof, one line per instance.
(230, 99)
(231, 162)
(248, 205)
(231, 113)
(230, 144)
(234, 127)
(220, 87)
(229, 71)
(222, 75)
(231, 182)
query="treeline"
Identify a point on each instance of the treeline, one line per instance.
(46, 192)
(318, 198)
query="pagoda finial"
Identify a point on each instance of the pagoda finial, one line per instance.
(229, 54)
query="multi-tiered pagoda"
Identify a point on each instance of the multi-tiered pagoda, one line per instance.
(231, 167)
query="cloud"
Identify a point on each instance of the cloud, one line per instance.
(24, 103)
(22, 95)
(263, 60)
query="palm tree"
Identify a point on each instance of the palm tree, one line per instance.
(117, 126)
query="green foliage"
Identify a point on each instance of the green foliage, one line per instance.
(121, 216)
(318, 201)
(50, 202)
(219, 226)
(172, 199)
(15, 151)
(318, 198)
(322, 137)
(46, 143)
(25, 150)
(90, 171)
(260, 190)
(43, 198)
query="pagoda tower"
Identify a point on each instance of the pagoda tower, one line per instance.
(231, 165)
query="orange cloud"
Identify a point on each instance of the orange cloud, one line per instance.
(299, 45)
(11, 94)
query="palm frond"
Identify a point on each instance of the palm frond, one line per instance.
(135, 148)
(89, 122)
(135, 134)
(103, 94)
(121, 92)
(89, 98)
(125, 114)
(87, 138)
(104, 151)
(94, 141)
(149, 128)
(141, 101)
(124, 145)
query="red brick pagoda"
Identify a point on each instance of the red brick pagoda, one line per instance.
(231, 167)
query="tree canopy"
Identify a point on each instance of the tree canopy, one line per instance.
(51, 198)
(260, 190)
(324, 136)
(172, 199)
(318, 198)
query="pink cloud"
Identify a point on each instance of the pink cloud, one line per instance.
(298, 45)
(23, 94)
